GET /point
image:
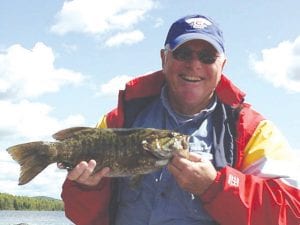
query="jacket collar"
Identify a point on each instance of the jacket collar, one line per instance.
(151, 84)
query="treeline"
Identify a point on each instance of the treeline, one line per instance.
(11, 202)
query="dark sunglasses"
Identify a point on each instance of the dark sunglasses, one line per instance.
(186, 54)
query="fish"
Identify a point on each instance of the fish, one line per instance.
(126, 151)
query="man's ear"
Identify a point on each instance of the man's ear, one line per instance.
(224, 62)
(163, 58)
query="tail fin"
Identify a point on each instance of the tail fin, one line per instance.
(33, 157)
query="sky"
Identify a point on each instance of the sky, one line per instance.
(63, 62)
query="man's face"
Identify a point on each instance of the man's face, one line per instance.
(191, 82)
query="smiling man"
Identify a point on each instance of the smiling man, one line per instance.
(192, 71)
(230, 175)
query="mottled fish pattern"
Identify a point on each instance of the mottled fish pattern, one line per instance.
(127, 152)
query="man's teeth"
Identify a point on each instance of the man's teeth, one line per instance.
(191, 79)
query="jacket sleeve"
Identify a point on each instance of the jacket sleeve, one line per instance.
(87, 205)
(265, 190)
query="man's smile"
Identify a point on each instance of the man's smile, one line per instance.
(190, 78)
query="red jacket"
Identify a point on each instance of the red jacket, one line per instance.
(248, 193)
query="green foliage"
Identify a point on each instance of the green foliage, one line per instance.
(11, 202)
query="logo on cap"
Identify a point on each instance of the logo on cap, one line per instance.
(198, 23)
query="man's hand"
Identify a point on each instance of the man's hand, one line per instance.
(194, 175)
(83, 173)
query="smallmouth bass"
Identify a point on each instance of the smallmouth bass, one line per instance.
(127, 152)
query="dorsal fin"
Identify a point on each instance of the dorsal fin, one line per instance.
(67, 133)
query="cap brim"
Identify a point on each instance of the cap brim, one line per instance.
(195, 36)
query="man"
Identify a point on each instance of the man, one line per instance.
(231, 176)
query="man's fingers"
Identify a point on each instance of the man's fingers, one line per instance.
(194, 157)
(75, 173)
(102, 173)
(178, 164)
(87, 172)
(173, 169)
(83, 173)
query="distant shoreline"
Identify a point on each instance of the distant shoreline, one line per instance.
(23, 203)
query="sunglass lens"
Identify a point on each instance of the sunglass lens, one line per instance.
(206, 58)
(182, 54)
(186, 54)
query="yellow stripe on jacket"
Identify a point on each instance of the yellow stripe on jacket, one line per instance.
(266, 144)
(102, 123)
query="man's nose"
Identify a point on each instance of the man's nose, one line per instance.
(194, 61)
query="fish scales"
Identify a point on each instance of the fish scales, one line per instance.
(120, 150)
(127, 152)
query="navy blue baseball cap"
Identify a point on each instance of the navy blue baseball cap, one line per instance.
(195, 27)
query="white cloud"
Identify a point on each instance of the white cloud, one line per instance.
(31, 120)
(159, 22)
(47, 183)
(95, 17)
(24, 74)
(27, 73)
(26, 121)
(125, 38)
(112, 87)
(70, 48)
(280, 65)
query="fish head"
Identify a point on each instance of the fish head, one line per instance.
(163, 144)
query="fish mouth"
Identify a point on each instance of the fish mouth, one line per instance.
(159, 155)
(180, 146)
(192, 79)
(65, 165)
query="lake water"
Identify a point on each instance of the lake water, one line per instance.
(34, 218)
